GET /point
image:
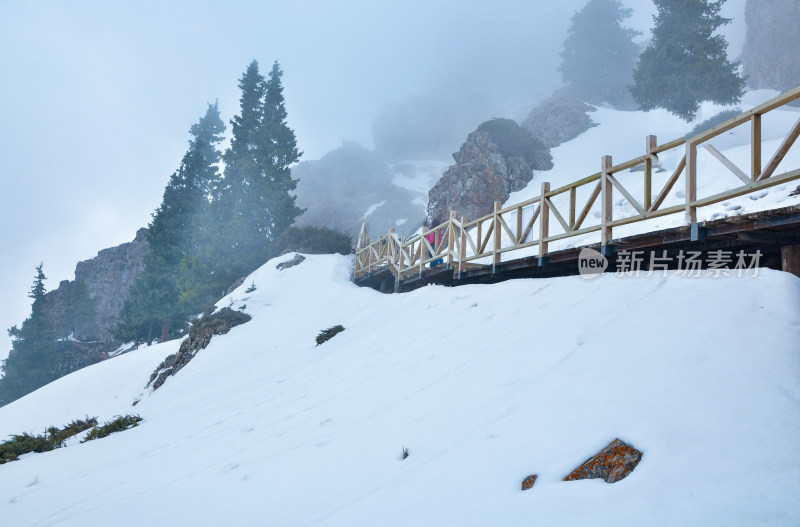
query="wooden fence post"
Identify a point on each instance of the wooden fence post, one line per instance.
(451, 242)
(463, 249)
(498, 240)
(755, 146)
(691, 182)
(651, 144)
(544, 221)
(606, 214)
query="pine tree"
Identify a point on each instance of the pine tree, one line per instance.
(154, 305)
(253, 204)
(276, 147)
(686, 63)
(33, 359)
(599, 54)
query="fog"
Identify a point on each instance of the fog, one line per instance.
(98, 97)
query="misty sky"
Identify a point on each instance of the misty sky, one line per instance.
(98, 97)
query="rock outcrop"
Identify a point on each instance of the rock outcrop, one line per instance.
(497, 159)
(613, 463)
(83, 312)
(199, 338)
(557, 121)
(770, 50)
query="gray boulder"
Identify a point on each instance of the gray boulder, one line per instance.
(494, 161)
(556, 121)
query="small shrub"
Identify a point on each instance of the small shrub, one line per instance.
(327, 334)
(251, 288)
(119, 424)
(53, 438)
(404, 454)
(58, 437)
(713, 121)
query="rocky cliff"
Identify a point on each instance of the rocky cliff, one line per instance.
(498, 158)
(770, 53)
(83, 312)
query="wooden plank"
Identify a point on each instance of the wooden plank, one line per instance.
(471, 243)
(462, 247)
(544, 222)
(669, 146)
(587, 207)
(628, 164)
(575, 184)
(727, 162)
(651, 143)
(482, 245)
(627, 194)
(572, 197)
(755, 146)
(691, 182)
(593, 228)
(606, 214)
(781, 152)
(506, 228)
(557, 214)
(668, 186)
(747, 189)
(497, 234)
(768, 106)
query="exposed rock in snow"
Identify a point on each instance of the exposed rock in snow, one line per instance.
(528, 482)
(298, 259)
(611, 464)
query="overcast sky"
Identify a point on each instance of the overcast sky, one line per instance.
(98, 97)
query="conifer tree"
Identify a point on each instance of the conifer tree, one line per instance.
(277, 149)
(154, 305)
(253, 204)
(599, 53)
(33, 359)
(686, 63)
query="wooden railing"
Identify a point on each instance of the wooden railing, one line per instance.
(461, 244)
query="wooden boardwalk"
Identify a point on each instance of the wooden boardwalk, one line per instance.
(484, 249)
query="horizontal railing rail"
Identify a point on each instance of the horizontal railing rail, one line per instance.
(566, 212)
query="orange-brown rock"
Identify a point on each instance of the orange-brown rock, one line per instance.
(529, 481)
(612, 464)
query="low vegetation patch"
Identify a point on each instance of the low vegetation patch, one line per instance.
(327, 334)
(121, 423)
(53, 437)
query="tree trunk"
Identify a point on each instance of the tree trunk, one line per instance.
(165, 330)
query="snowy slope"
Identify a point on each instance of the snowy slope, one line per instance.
(484, 385)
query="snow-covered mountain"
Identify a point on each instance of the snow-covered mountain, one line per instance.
(484, 384)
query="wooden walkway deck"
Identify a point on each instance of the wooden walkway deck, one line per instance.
(482, 250)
